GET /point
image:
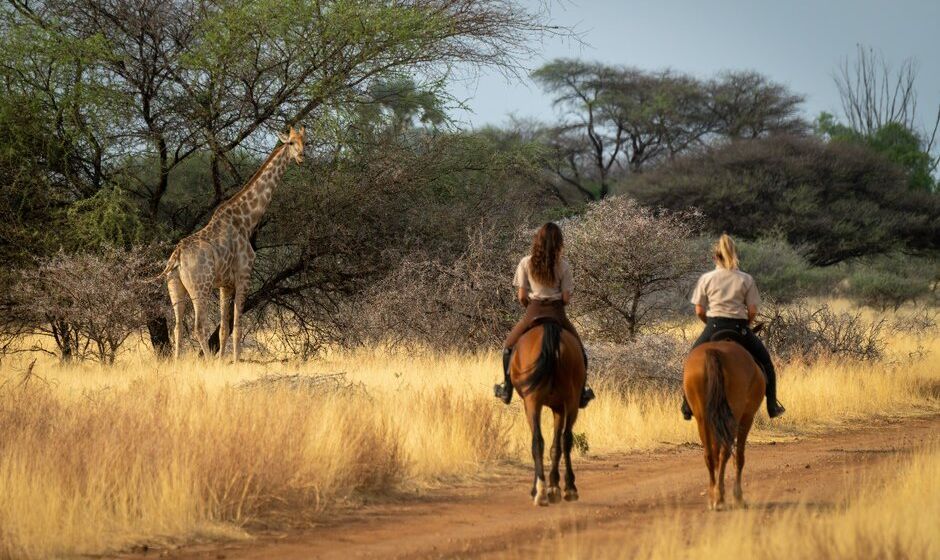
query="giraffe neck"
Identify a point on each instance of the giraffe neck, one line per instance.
(252, 201)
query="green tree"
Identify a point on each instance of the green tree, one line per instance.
(894, 140)
(128, 92)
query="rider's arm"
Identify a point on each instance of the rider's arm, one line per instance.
(700, 300)
(700, 311)
(521, 282)
(751, 298)
(567, 282)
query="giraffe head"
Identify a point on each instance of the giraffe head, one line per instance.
(294, 140)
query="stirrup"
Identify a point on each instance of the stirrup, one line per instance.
(686, 411)
(587, 395)
(502, 392)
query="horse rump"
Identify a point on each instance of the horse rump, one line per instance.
(717, 412)
(543, 371)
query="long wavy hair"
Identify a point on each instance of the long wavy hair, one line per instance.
(546, 251)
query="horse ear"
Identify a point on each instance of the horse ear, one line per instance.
(283, 138)
(303, 129)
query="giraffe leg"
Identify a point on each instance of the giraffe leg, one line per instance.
(236, 322)
(225, 300)
(178, 297)
(199, 305)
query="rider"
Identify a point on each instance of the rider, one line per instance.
(543, 281)
(726, 299)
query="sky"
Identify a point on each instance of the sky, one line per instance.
(798, 43)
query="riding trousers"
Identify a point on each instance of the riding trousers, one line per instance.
(540, 309)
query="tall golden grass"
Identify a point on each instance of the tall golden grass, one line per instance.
(96, 459)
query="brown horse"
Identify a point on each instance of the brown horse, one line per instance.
(547, 369)
(725, 387)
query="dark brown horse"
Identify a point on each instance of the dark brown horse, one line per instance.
(725, 387)
(547, 369)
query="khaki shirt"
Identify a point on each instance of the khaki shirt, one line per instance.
(726, 293)
(563, 281)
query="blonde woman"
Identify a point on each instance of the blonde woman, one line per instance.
(726, 299)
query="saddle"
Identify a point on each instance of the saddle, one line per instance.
(733, 335)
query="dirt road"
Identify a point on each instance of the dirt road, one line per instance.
(620, 495)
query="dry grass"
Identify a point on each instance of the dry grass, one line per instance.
(96, 459)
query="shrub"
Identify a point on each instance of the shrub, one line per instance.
(648, 360)
(632, 266)
(781, 272)
(891, 281)
(805, 333)
(465, 303)
(89, 304)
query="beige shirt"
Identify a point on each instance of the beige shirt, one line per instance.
(726, 293)
(536, 290)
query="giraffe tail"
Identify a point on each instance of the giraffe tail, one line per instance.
(172, 263)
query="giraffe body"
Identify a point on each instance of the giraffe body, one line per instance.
(219, 256)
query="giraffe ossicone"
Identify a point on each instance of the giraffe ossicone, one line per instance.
(219, 256)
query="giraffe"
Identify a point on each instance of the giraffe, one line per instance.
(220, 254)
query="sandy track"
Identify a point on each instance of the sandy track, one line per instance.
(620, 496)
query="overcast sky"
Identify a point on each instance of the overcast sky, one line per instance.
(796, 42)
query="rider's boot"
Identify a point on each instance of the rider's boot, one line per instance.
(774, 408)
(686, 409)
(503, 391)
(587, 394)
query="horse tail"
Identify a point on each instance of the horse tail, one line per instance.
(171, 263)
(543, 371)
(718, 414)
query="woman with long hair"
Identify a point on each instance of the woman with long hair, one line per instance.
(543, 284)
(726, 299)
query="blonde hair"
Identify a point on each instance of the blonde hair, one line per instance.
(726, 254)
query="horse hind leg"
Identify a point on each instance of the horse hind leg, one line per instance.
(724, 453)
(534, 415)
(554, 492)
(571, 491)
(744, 428)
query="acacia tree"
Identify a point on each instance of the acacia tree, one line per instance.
(633, 265)
(166, 81)
(622, 120)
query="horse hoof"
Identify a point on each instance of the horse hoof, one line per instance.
(554, 495)
(571, 495)
(719, 507)
(540, 500)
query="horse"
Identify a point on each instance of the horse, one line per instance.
(547, 369)
(725, 388)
